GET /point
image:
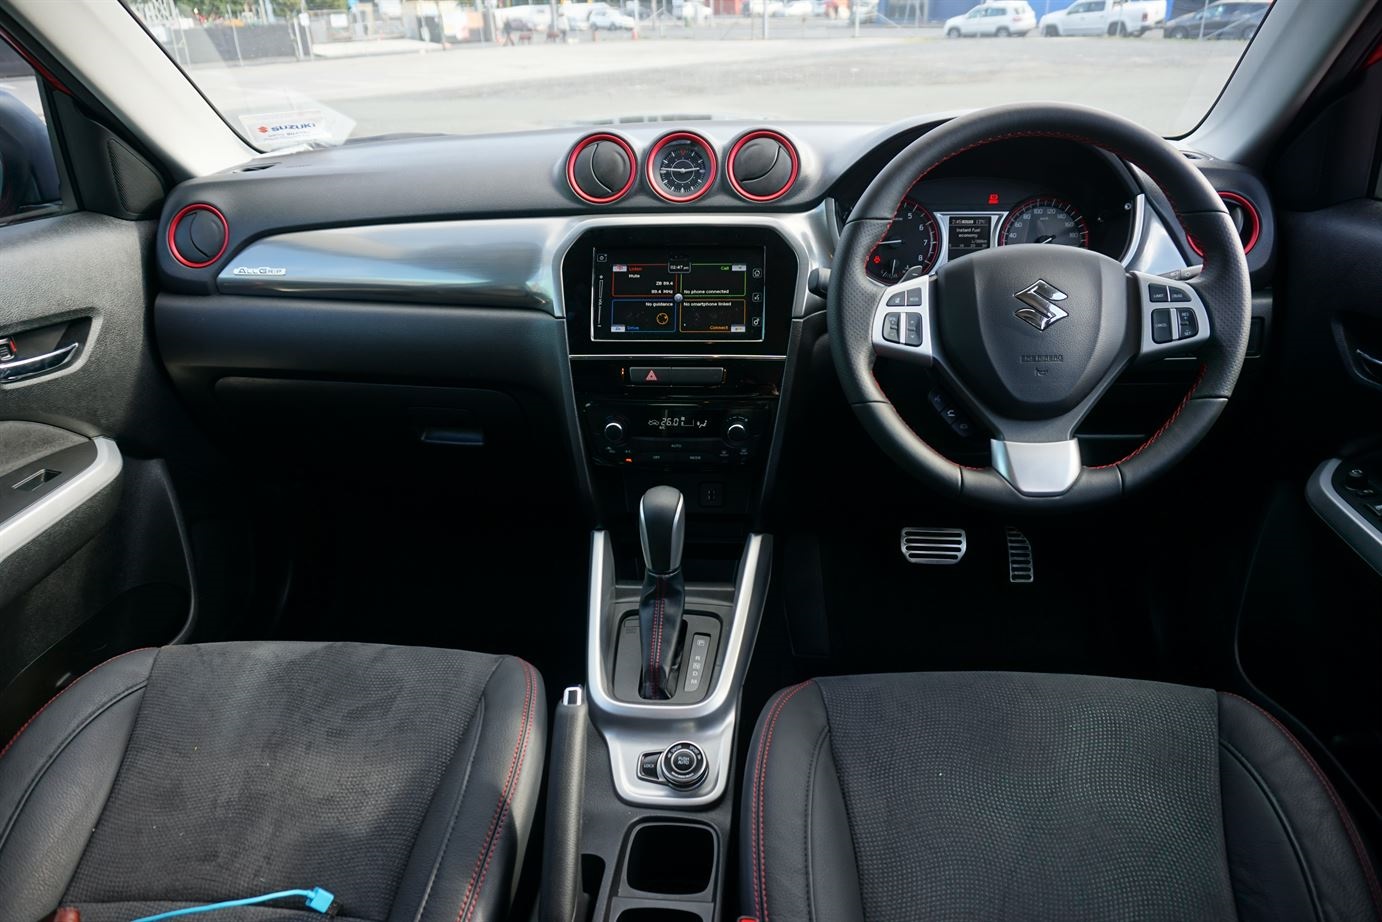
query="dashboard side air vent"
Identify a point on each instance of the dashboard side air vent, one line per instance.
(936, 546)
(1246, 218)
(601, 169)
(198, 235)
(762, 166)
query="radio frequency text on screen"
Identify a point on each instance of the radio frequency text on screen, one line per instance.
(704, 294)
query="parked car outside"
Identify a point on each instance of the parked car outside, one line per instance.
(1105, 17)
(1215, 18)
(1007, 17)
(607, 18)
(693, 12)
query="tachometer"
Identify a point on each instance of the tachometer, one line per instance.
(913, 239)
(681, 167)
(1045, 220)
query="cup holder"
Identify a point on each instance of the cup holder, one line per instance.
(670, 859)
(658, 914)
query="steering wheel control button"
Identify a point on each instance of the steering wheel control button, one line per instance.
(1189, 326)
(953, 417)
(911, 329)
(899, 299)
(914, 297)
(1161, 325)
(1175, 329)
(647, 766)
(892, 326)
(683, 765)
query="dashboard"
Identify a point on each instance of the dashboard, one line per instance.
(644, 300)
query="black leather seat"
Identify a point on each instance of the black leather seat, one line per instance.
(998, 796)
(403, 780)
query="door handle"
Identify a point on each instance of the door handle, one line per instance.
(18, 370)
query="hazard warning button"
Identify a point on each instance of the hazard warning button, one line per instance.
(674, 376)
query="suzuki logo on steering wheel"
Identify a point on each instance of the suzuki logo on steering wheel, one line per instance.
(1041, 310)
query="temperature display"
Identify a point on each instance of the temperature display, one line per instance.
(678, 423)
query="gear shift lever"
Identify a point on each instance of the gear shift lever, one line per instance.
(662, 528)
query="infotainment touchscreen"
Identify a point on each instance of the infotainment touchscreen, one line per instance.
(687, 294)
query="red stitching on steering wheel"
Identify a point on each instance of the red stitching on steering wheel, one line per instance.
(1184, 402)
(1080, 139)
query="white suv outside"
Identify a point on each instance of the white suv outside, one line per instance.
(1105, 17)
(1005, 17)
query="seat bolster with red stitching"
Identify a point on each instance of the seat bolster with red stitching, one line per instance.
(796, 863)
(1293, 850)
(1051, 788)
(55, 776)
(210, 768)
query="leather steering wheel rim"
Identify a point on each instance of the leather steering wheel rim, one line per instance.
(1223, 287)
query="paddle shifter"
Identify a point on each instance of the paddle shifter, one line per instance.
(662, 527)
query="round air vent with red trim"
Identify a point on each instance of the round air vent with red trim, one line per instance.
(762, 166)
(198, 235)
(601, 168)
(1246, 219)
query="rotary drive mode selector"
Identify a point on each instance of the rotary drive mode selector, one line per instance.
(683, 765)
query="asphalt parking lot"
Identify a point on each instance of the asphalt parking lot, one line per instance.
(805, 70)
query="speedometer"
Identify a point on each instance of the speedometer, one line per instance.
(913, 239)
(1045, 220)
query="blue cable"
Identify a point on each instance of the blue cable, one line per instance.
(317, 899)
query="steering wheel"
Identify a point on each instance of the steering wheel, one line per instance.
(1030, 336)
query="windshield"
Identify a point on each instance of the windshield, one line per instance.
(293, 73)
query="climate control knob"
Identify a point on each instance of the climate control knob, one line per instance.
(614, 432)
(737, 431)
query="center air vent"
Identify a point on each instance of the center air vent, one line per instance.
(601, 168)
(762, 166)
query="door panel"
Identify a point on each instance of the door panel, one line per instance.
(1310, 621)
(94, 555)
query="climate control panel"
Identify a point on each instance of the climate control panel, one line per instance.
(670, 435)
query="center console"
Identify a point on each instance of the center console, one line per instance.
(678, 337)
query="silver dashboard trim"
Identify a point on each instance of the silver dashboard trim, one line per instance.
(632, 728)
(517, 262)
(499, 263)
(32, 521)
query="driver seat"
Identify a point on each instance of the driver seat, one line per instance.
(950, 796)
